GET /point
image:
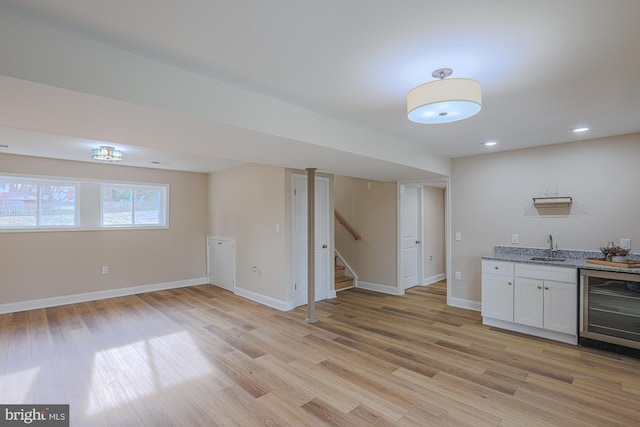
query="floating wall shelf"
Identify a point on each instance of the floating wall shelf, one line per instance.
(552, 202)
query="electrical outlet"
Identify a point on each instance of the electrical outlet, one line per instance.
(105, 269)
(255, 271)
(625, 243)
(458, 275)
(430, 259)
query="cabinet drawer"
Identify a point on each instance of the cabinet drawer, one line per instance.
(543, 272)
(497, 267)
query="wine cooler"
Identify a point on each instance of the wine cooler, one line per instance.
(610, 309)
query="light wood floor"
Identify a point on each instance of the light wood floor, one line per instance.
(202, 356)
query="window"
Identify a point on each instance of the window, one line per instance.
(126, 205)
(36, 203)
(26, 203)
(57, 205)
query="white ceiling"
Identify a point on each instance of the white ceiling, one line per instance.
(545, 66)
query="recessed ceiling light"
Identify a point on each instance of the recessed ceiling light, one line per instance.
(490, 143)
(581, 129)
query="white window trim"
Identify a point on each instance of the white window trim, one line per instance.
(162, 215)
(81, 215)
(44, 181)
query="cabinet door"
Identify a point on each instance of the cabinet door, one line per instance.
(560, 307)
(497, 297)
(528, 302)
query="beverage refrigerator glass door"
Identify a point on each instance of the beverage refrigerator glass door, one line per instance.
(610, 307)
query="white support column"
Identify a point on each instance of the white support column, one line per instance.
(311, 250)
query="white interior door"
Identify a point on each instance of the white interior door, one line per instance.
(410, 235)
(300, 261)
(221, 255)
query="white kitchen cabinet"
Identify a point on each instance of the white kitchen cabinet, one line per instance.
(561, 307)
(497, 297)
(529, 302)
(533, 299)
(497, 290)
(546, 297)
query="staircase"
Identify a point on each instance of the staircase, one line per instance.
(342, 280)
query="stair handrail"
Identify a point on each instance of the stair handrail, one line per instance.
(346, 225)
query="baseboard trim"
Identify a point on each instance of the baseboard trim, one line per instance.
(433, 279)
(332, 294)
(385, 289)
(530, 330)
(93, 296)
(265, 300)
(463, 303)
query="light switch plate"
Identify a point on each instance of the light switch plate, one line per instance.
(515, 238)
(458, 235)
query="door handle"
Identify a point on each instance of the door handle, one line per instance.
(417, 242)
(324, 246)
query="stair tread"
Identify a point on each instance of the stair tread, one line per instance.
(344, 282)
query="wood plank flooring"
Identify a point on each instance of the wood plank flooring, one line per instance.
(201, 356)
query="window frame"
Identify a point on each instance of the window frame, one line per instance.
(163, 214)
(88, 203)
(40, 182)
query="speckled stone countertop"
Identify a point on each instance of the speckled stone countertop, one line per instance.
(573, 258)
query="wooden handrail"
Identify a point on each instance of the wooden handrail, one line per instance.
(346, 225)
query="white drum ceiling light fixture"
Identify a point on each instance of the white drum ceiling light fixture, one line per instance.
(444, 100)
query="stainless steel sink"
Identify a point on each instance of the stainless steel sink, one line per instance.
(547, 258)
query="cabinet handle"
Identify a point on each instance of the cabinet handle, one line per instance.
(496, 267)
(539, 287)
(546, 288)
(509, 283)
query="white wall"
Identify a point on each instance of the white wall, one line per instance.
(372, 212)
(47, 264)
(491, 199)
(246, 203)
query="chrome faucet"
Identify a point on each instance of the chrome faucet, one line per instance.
(552, 251)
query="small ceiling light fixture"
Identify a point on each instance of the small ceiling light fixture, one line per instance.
(444, 100)
(490, 143)
(581, 129)
(107, 154)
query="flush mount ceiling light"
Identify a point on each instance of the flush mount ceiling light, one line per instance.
(444, 100)
(107, 154)
(581, 129)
